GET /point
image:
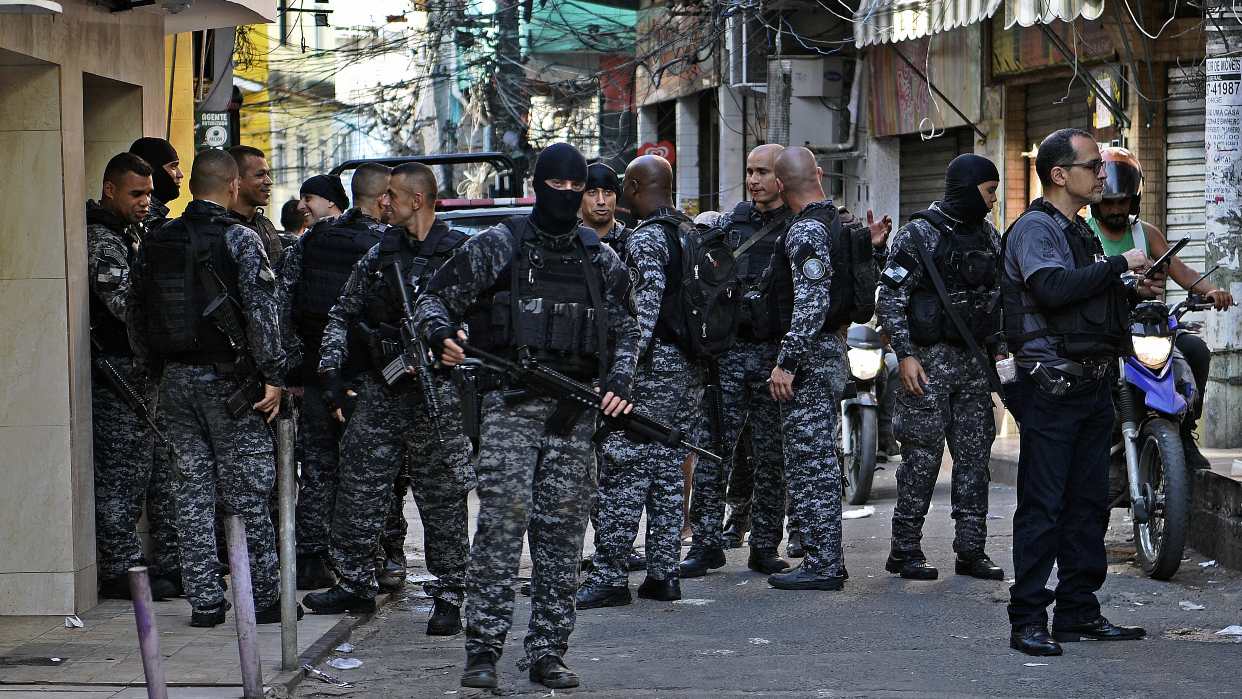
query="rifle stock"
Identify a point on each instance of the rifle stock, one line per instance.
(114, 378)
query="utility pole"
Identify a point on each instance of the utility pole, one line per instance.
(1221, 425)
(779, 79)
(508, 102)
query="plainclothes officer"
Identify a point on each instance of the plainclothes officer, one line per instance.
(743, 374)
(220, 453)
(122, 438)
(944, 391)
(166, 176)
(599, 205)
(668, 386)
(1066, 313)
(253, 195)
(392, 426)
(535, 460)
(316, 267)
(323, 196)
(812, 353)
(1115, 221)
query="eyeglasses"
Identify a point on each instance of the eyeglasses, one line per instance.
(1096, 165)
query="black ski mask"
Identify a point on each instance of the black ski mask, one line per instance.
(556, 210)
(158, 153)
(962, 199)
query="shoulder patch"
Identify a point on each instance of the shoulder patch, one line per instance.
(814, 269)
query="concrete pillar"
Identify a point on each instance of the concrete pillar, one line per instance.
(687, 170)
(732, 158)
(647, 124)
(883, 177)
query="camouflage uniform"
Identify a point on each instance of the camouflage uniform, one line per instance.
(528, 476)
(268, 235)
(956, 405)
(391, 428)
(219, 454)
(122, 440)
(668, 387)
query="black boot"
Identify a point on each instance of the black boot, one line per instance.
(701, 559)
(313, 572)
(596, 596)
(445, 619)
(337, 600)
(1033, 639)
(391, 576)
(666, 590)
(1195, 460)
(911, 565)
(978, 565)
(551, 672)
(793, 547)
(167, 586)
(1100, 629)
(118, 588)
(480, 672)
(735, 532)
(271, 613)
(801, 579)
(207, 618)
(766, 561)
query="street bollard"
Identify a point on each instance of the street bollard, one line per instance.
(148, 633)
(243, 599)
(287, 492)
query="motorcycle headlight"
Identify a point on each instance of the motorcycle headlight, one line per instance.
(1152, 351)
(865, 363)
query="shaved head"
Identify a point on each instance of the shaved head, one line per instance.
(648, 184)
(797, 170)
(415, 177)
(213, 173)
(768, 153)
(370, 181)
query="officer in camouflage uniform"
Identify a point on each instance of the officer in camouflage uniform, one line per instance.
(315, 268)
(944, 392)
(668, 387)
(220, 453)
(392, 425)
(535, 461)
(254, 194)
(122, 438)
(812, 352)
(743, 373)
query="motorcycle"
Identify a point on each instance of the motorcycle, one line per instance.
(860, 408)
(1148, 469)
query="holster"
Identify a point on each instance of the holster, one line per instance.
(466, 378)
(563, 419)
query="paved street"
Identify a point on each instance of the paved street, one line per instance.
(881, 637)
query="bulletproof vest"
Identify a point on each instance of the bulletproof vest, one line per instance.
(756, 308)
(175, 296)
(382, 305)
(672, 314)
(969, 266)
(548, 302)
(329, 252)
(1094, 328)
(266, 230)
(106, 328)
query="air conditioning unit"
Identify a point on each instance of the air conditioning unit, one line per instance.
(821, 76)
(747, 40)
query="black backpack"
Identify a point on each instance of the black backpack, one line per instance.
(852, 250)
(702, 299)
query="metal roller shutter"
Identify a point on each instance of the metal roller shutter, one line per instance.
(1056, 104)
(923, 164)
(1184, 208)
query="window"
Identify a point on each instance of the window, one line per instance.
(302, 163)
(280, 164)
(323, 155)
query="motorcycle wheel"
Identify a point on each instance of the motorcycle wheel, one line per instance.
(865, 428)
(1161, 541)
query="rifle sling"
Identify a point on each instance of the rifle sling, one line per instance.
(759, 235)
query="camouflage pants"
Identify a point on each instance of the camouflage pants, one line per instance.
(234, 458)
(389, 429)
(955, 406)
(162, 508)
(122, 471)
(319, 435)
(744, 372)
(668, 389)
(812, 468)
(539, 485)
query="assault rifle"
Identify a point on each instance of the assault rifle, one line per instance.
(528, 373)
(414, 356)
(116, 380)
(713, 404)
(222, 313)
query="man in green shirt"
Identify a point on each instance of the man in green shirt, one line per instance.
(1115, 222)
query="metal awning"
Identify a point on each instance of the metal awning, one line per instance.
(1031, 12)
(217, 14)
(884, 21)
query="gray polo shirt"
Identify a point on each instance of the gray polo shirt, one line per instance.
(1037, 241)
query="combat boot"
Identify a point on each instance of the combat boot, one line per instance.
(793, 547)
(734, 533)
(551, 672)
(167, 586)
(445, 619)
(701, 559)
(666, 590)
(313, 572)
(801, 579)
(480, 672)
(978, 565)
(596, 596)
(271, 613)
(391, 576)
(911, 565)
(209, 617)
(338, 600)
(766, 561)
(118, 588)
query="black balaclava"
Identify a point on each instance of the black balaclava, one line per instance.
(962, 199)
(600, 176)
(158, 153)
(556, 211)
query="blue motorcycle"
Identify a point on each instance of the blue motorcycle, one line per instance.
(1149, 474)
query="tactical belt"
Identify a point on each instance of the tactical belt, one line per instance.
(1085, 369)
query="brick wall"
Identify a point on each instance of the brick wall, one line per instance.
(1016, 166)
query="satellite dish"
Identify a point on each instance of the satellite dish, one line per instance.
(30, 7)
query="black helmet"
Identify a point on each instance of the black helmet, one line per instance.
(1123, 176)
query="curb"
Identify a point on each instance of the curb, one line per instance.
(1004, 468)
(288, 680)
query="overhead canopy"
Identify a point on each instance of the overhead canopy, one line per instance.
(217, 14)
(1030, 12)
(883, 21)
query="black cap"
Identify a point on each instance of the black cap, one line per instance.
(600, 176)
(329, 188)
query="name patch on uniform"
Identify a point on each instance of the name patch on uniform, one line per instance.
(814, 269)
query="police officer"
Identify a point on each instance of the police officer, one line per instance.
(535, 461)
(166, 176)
(255, 193)
(944, 391)
(315, 269)
(392, 424)
(323, 196)
(1066, 313)
(121, 437)
(812, 351)
(599, 205)
(743, 373)
(201, 381)
(293, 222)
(668, 386)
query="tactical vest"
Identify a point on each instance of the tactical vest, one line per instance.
(756, 306)
(672, 315)
(969, 266)
(1091, 329)
(175, 297)
(549, 303)
(106, 328)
